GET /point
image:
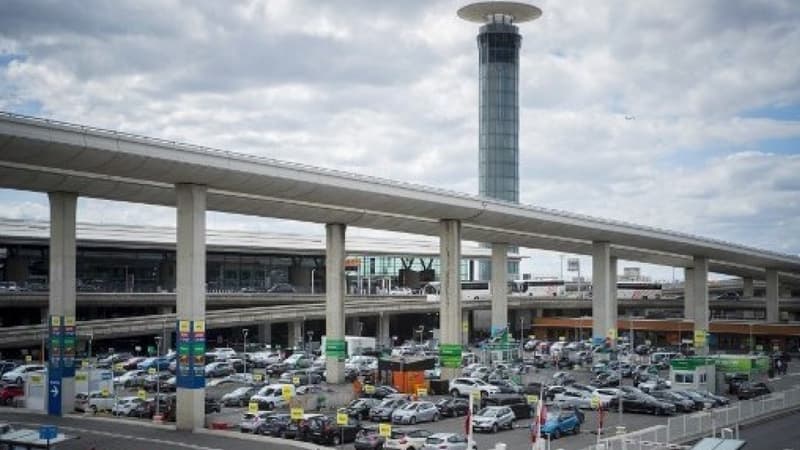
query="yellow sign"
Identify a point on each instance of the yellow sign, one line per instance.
(55, 321)
(151, 371)
(531, 336)
(369, 389)
(142, 394)
(422, 392)
(595, 402)
(36, 379)
(257, 377)
(476, 396)
(296, 381)
(119, 367)
(532, 399)
(28, 358)
(104, 392)
(199, 326)
(81, 376)
(286, 392)
(183, 326)
(385, 430)
(296, 413)
(699, 337)
(252, 407)
(85, 364)
(465, 325)
(69, 321)
(612, 333)
(562, 338)
(341, 419)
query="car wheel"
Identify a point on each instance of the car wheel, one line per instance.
(241, 403)
(94, 409)
(557, 434)
(436, 417)
(455, 393)
(577, 429)
(270, 405)
(413, 420)
(336, 440)
(658, 412)
(19, 380)
(494, 428)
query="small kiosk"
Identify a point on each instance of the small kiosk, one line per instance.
(405, 374)
(693, 373)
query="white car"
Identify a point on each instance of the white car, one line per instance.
(447, 441)
(17, 375)
(222, 353)
(466, 386)
(406, 439)
(493, 418)
(130, 378)
(573, 398)
(266, 357)
(125, 405)
(415, 412)
(94, 401)
(271, 395)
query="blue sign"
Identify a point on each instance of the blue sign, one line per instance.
(54, 395)
(106, 376)
(48, 432)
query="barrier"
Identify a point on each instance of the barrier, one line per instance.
(705, 423)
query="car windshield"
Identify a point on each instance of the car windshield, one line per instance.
(443, 401)
(481, 382)
(488, 412)
(553, 415)
(434, 440)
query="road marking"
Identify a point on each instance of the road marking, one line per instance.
(127, 436)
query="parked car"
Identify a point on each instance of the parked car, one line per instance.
(130, 378)
(271, 396)
(644, 403)
(416, 412)
(493, 418)
(212, 405)
(9, 392)
(381, 391)
(719, 400)
(360, 408)
(6, 366)
(681, 403)
(368, 438)
(699, 401)
(159, 363)
(466, 386)
(218, 369)
(254, 422)
(453, 407)
(158, 382)
(325, 430)
(573, 398)
(749, 390)
(384, 410)
(447, 441)
(508, 387)
(239, 396)
(93, 401)
(406, 439)
(282, 288)
(133, 363)
(125, 406)
(17, 375)
(276, 425)
(559, 422)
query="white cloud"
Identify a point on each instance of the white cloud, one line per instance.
(390, 89)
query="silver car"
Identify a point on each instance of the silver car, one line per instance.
(415, 412)
(493, 418)
(253, 423)
(447, 441)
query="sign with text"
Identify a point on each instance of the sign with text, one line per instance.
(296, 413)
(385, 430)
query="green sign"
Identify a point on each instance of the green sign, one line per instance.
(450, 355)
(336, 348)
(690, 363)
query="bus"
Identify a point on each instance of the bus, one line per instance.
(470, 290)
(540, 288)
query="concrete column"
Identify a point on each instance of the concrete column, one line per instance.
(295, 333)
(772, 296)
(466, 316)
(747, 287)
(334, 295)
(265, 333)
(191, 290)
(63, 206)
(700, 301)
(499, 288)
(353, 326)
(450, 317)
(604, 317)
(613, 303)
(688, 293)
(384, 330)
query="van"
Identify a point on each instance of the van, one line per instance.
(271, 395)
(662, 358)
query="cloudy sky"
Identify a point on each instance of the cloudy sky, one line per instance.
(683, 114)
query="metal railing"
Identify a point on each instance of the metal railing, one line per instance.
(688, 427)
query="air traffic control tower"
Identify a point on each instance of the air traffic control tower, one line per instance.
(498, 47)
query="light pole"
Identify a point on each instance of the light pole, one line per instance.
(420, 330)
(244, 356)
(158, 375)
(310, 334)
(312, 280)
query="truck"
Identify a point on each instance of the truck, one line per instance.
(356, 345)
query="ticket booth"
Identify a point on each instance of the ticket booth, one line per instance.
(693, 373)
(405, 374)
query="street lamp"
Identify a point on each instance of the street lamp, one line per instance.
(420, 330)
(244, 356)
(158, 378)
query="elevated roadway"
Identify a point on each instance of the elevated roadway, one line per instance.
(354, 306)
(47, 156)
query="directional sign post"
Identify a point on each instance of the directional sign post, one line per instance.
(54, 396)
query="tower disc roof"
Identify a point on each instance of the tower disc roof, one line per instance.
(481, 11)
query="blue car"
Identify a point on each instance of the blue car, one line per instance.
(160, 363)
(560, 422)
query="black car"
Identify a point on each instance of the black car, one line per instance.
(212, 405)
(384, 410)
(517, 402)
(239, 396)
(700, 402)
(277, 425)
(681, 403)
(324, 430)
(646, 404)
(380, 392)
(606, 379)
(751, 390)
(734, 380)
(719, 400)
(359, 408)
(452, 407)
(508, 387)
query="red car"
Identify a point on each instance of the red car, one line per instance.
(9, 392)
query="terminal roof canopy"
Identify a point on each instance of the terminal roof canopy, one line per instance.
(41, 155)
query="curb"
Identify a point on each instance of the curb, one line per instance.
(259, 438)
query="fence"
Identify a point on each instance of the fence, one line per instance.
(706, 423)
